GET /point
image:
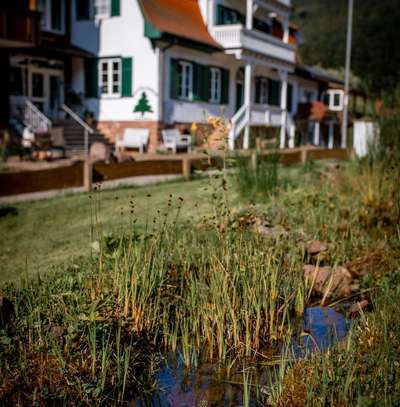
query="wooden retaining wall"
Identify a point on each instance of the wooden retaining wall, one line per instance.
(73, 176)
(41, 180)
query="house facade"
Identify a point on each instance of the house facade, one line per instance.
(166, 63)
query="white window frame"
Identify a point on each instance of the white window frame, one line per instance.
(263, 91)
(215, 85)
(333, 93)
(185, 80)
(105, 9)
(110, 82)
(46, 18)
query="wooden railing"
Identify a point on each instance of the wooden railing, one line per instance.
(21, 28)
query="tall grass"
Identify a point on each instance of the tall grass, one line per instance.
(257, 177)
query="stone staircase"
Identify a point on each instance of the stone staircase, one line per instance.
(74, 137)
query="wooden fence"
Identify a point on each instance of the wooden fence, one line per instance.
(75, 175)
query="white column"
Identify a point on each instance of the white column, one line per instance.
(284, 86)
(285, 24)
(210, 14)
(317, 128)
(247, 101)
(249, 14)
(331, 133)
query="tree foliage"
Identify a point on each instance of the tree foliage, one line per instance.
(376, 36)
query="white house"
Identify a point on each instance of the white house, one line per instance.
(163, 63)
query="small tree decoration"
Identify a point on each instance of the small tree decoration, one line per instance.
(143, 105)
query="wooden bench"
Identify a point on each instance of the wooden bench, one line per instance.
(174, 140)
(134, 138)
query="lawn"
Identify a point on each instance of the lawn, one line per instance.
(44, 234)
(211, 271)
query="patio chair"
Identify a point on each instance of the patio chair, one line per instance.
(134, 138)
(174, 140)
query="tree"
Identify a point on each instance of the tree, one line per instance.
(143, 105)
(375, 55)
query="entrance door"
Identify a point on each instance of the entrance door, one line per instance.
(37, 91)
(55, 95)
(46, 91)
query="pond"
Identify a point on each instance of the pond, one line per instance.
(212, 385)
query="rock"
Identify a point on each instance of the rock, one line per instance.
(57, 331)
(315, 246)
(99, 152)
(6, 312)
(329, 282)
(358, 307)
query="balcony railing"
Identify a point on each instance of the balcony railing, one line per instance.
(237, 37)
(18, 28)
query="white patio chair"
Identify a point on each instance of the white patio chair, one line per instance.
(174, 140)
(134, 138)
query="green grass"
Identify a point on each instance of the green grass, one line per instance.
(185, 273)
(48, 233)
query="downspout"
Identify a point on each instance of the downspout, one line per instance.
(161, 84)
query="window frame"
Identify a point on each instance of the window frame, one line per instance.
(104, 14)
(215, 84)
(110, 77)
(185, 77)
(46, 22)
(90, 11)
(263, 84)
(333, 93)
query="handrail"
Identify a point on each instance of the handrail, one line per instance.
(77, 118)
(238, 122)
(38, 113)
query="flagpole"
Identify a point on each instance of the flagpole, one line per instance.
(347, 74)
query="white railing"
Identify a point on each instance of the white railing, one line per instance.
(87, 129)
(238, 123)
(236, 37)
(35, 119)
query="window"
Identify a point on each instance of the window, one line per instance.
(102, 8)
(53, 15)
(185, 80)
(82, 8)
(227, 15)
(262, 91)
(274, 92)
(261, 25)
(215, 85)
(110, 77)
(336, 99)
(107, 8)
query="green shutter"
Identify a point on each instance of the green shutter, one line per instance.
(197, 70)
(174, 80)
(274, 92)
(290, 97)
(225, 87)
(91, 80)
(257, 96)
(115, 8)
(201, 82)
(126, 89)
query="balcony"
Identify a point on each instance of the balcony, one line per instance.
(236, 38)
(18, 29)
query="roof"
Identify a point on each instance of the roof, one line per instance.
(181, 18)
(318, 74)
